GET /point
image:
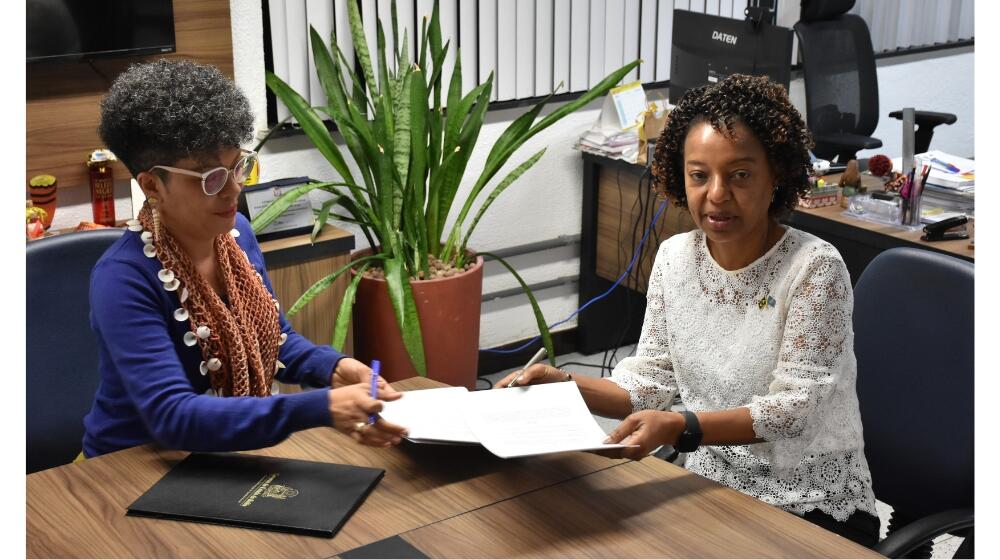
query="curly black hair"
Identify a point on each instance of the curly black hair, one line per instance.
(157, 113)
(762, 106)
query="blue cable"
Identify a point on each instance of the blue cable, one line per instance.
(635, 256)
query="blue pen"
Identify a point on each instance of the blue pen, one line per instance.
(951, 168)
(376, 365)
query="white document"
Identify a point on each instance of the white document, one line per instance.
(515, 422)
(431, 415)
(534, 420)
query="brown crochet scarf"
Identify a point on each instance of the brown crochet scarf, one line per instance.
(244, 336)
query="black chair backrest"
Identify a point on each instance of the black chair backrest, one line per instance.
(913, 333)
(838, 64)
(62, 371)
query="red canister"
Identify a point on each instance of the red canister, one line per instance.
(102, 186)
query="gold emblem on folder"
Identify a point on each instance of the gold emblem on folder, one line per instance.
(280, 492)
(265, 488)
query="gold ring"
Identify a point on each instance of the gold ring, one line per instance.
(360, 426)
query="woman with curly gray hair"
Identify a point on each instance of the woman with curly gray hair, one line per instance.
(191, 338)
(749, 321)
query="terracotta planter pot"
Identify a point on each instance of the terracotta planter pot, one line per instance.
(449, 311)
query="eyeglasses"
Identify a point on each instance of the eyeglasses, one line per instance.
(214, 180)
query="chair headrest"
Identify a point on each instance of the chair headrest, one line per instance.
(818, 10)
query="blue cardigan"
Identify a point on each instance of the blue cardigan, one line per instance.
(151, 388)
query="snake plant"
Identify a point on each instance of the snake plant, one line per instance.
(412, 151)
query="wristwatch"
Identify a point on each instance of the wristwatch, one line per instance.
(691, 436)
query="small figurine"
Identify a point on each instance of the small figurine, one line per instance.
(851, 177)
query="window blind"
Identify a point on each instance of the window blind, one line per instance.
(905, 24)
(531, 45)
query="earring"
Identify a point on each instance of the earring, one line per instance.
(152, 202)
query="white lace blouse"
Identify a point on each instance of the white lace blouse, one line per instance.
(775, 337)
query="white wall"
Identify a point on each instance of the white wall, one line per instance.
(545, 203)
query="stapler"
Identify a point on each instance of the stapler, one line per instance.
(952, 228)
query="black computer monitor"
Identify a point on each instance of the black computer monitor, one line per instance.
(709, 48)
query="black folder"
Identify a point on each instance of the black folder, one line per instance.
(257, 492)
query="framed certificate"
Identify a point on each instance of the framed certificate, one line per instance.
(297, 220)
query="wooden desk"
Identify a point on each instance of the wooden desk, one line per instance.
(79, 510)
(643, 509)
(860, 241)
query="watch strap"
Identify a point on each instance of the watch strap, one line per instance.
(691, 437)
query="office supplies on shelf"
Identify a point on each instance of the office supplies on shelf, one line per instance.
(258, 492)
(952, 228)
(539, 356)
(376, 366)
(518, 422)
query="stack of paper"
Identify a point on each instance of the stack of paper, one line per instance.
(615, 134)
(516, 422)
(615, 144)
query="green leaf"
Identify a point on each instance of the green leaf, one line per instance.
(311, 124)
(458, 115)
(395, 34)
(388, 195)
(403, 303)
(543, 327)
(401, 138)
(385, 84)
(422, 58)
(322, 216)
(506, 182)
(361, 46)
(437, 53)
(325, 283)
(452, 175)
(346, 306)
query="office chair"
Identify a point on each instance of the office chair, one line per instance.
(838, 63)
(62, 374)
(913, 339)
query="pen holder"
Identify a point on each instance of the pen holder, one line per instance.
(911, 217)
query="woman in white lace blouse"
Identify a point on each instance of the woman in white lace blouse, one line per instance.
(747, 320)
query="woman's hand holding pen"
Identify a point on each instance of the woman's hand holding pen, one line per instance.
(350, 371)
(648, 429)
(350, 407)
(534, 375)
